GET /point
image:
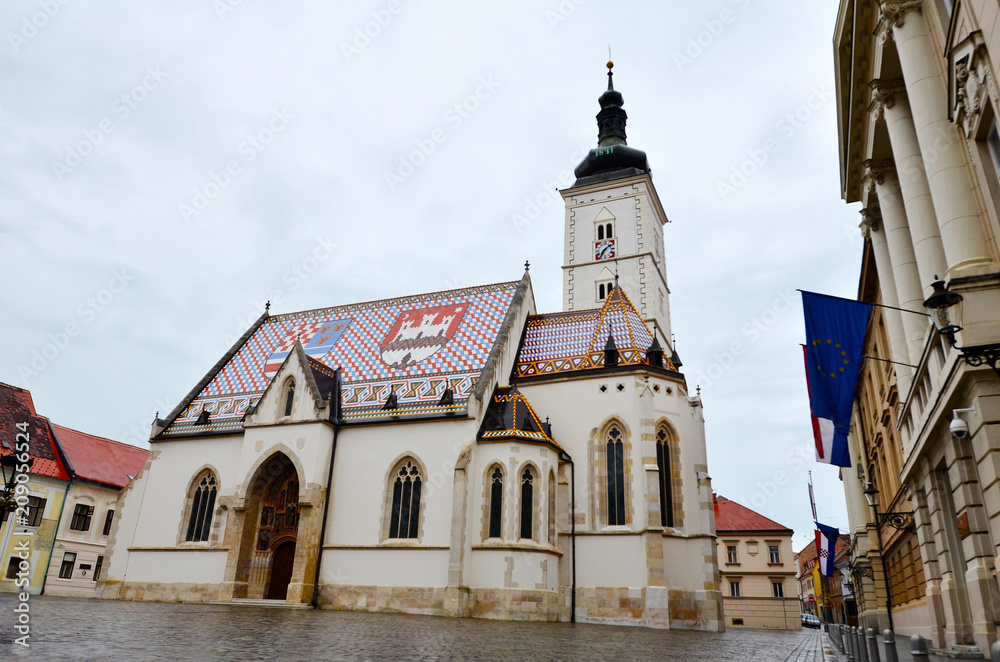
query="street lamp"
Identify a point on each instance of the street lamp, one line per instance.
(871, 495)
(938, 305)
(8, 471)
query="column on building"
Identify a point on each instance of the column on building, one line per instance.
(872, 228)
(895, 221)
(892, 103)
(944, 161)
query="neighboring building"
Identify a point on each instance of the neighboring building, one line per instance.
(451, 453)
(817, 591)
(47, 485)
(920, 149)
(757, 569)
(100, 469)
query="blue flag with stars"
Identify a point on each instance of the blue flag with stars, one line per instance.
(835, 336)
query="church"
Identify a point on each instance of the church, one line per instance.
(454, 453)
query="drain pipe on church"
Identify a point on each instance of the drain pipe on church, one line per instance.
(326, 502)
(565, 457)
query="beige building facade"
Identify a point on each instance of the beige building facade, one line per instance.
(920, 149)
(757, 569)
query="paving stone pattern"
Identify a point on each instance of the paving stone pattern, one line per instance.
(78, 629)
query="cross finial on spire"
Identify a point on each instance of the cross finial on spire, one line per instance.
(267, 306)
(526, 265)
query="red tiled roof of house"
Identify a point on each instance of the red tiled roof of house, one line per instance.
(735, 517)
(98, 459)
(16, 406)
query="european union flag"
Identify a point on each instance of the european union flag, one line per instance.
(835, 336)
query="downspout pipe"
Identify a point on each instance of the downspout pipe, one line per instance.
(329, 488)
(72, 478)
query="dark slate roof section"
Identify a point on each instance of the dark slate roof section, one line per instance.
(16, 406)
(210, 375)
(324, 377)
(509, 416)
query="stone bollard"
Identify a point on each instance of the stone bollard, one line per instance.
(859, 632)
(872, 646)
(995, 652)
(890, 646)
(849, 644)
(918, 648)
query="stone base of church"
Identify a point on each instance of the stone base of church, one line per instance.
(428, 601)
(506, 604)
(651, 607)
(158, 591)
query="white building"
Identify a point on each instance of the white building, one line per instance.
(450, 453)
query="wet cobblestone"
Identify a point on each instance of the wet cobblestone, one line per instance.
(77, 629)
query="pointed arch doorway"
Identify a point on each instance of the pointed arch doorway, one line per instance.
(276, 534)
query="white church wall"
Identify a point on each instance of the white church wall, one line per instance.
(200, 566)
(385, 566)
(618, 560)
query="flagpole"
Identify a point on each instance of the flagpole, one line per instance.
(870, 303)
(875, 358)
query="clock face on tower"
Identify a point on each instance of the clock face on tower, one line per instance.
(604, 249)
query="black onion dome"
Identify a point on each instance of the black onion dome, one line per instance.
(613, 158)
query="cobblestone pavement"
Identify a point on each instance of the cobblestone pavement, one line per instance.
(79, 629)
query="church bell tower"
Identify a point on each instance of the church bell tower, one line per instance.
(614, 225)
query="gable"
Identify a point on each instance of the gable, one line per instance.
(414, 346)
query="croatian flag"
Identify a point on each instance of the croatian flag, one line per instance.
(835, 336)
(826, 547)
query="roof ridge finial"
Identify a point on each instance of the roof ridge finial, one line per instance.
(616, 273)
(527, 265)
(611, 65)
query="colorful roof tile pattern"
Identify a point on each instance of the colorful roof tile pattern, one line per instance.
(574, 340)
(416, 346)
(16, 406)
(732, 517)
(98, 459)
(509, 415)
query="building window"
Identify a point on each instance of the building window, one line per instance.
(97, 568)
(731, 555)
(289, 397)
(13, 565)
(552, 508)
(604, 290)
(615, 449)
(734, 589)
(773, 554)
(405, 514)
(665, 478)
(68, 563)
(82, 515)
(778, 589)
(36, 506)
(496, 503)
(202, 508)
(605, 231)
(108, 520)
(527, 504)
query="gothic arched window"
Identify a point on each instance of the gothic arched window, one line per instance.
(665, 478)
(496, 503)
(202, 508)
(527, 504)
(615, 449)
(289, 396)
(405, 514)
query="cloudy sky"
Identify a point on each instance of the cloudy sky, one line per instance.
(166, 168)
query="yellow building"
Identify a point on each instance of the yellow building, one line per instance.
(26, 534)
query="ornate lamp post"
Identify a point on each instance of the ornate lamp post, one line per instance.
(871, 495)
(938, 305)
(8, 471)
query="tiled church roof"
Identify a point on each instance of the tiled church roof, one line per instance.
(16, 406)
(414, 346)
(574, 340)
(510, 416)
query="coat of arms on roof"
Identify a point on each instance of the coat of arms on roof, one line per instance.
(417, 334)
(318, 338)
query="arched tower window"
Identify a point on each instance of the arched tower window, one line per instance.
(405, 513)
(527, 504)
(552, 508)
(202, 508)
(665, 478)
(609, 231)
(496, 503)
(600, 232)
(289, 396)
(615, 449)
